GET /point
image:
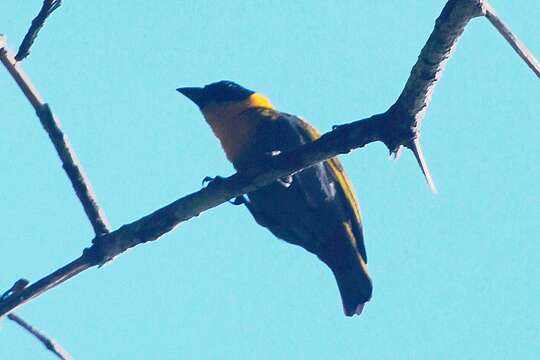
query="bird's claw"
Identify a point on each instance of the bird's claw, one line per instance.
(208, 179)
(239, 200)
(396, 153)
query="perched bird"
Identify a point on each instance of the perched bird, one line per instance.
(315, 208)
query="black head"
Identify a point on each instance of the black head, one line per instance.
(218, 92)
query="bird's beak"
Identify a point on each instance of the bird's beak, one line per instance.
(195, 94)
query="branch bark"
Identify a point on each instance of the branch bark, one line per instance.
(398, 126)
(70, 163)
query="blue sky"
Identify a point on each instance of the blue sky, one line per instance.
(455, 274)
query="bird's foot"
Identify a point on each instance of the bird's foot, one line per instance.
(285, 181)
(208, 180)
(239, 200)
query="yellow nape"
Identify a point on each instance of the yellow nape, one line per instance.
(258, 101)
(233, 125)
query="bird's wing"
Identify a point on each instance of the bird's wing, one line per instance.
(283, 132)
(344, 188)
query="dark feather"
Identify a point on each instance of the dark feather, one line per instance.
(317, 211)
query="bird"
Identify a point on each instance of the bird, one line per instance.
(315, 208)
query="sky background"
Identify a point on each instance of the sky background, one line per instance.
(456, 274)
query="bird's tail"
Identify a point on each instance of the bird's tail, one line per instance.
(355, 288)
(353, 282)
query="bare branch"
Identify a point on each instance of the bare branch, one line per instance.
(46, 10)
(418, 90)
(516, 44)
(70, 163)
(19, 76)
(411, 106)
(66, 272)
(151, 227)
(49, 343)
(398, 126)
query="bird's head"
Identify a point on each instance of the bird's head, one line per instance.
(224, 106)
(224, 96)
(219, 92)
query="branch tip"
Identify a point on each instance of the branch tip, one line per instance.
(46, 10)
(48, 342)
(520, 48)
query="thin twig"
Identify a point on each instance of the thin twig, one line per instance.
(48, 282)
(49, 343)
(516, 44)
(70, 163)
(15, 70)
(46, 10)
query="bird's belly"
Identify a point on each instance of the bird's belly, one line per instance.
(304, 216)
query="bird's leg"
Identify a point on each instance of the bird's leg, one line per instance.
(239, 200)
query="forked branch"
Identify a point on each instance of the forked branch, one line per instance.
(398, 126)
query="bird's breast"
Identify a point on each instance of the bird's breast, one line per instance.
(235, 133)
